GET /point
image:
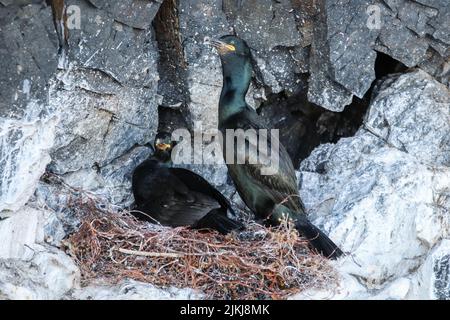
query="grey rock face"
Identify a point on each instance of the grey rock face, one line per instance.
(110, 119)
(59, 201)
(86, 121)
(442, 272)
(28, 48)
(381, 197)
(398, 36)
(347, 33)
(27, 61)
(102, 43)
(200, 19)
(98, 109)
(30, 268)
(49, 274)
(270, 29)
(349, 44)
(419, 122)
(107, 99)
(322, 90)
(263, 24)
(134, 13)
(19, 232)
(24, 150)
(278, 69)
(335, 41)
(112, 181)
(432, 279)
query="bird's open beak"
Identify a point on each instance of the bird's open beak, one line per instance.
(163, 146)
(222, 47)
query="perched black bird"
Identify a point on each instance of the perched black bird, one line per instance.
(176, 196)
(270, 197)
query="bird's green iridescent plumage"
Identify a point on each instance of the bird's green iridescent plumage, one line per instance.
(235, 87)
(260, 191)
(270, 197)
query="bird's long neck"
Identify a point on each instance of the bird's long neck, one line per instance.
(162, 159)
(236, 81)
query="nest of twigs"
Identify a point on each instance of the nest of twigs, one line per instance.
(258, 263)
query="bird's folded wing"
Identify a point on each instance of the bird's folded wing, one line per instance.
(197, 183)
(281, 182)
(177, 210)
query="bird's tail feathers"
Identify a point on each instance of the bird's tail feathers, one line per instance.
(318, 239)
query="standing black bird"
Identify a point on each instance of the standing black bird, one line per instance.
(176, 196)
(270, 197)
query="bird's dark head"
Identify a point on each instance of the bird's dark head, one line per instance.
(231, 48)
(236, 60)
(163, 146)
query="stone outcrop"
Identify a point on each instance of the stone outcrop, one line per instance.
(384, 193)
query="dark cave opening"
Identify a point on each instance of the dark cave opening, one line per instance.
(386, 65)
(304, 126)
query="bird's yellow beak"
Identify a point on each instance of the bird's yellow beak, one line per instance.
(222, 47)
(163, 146)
